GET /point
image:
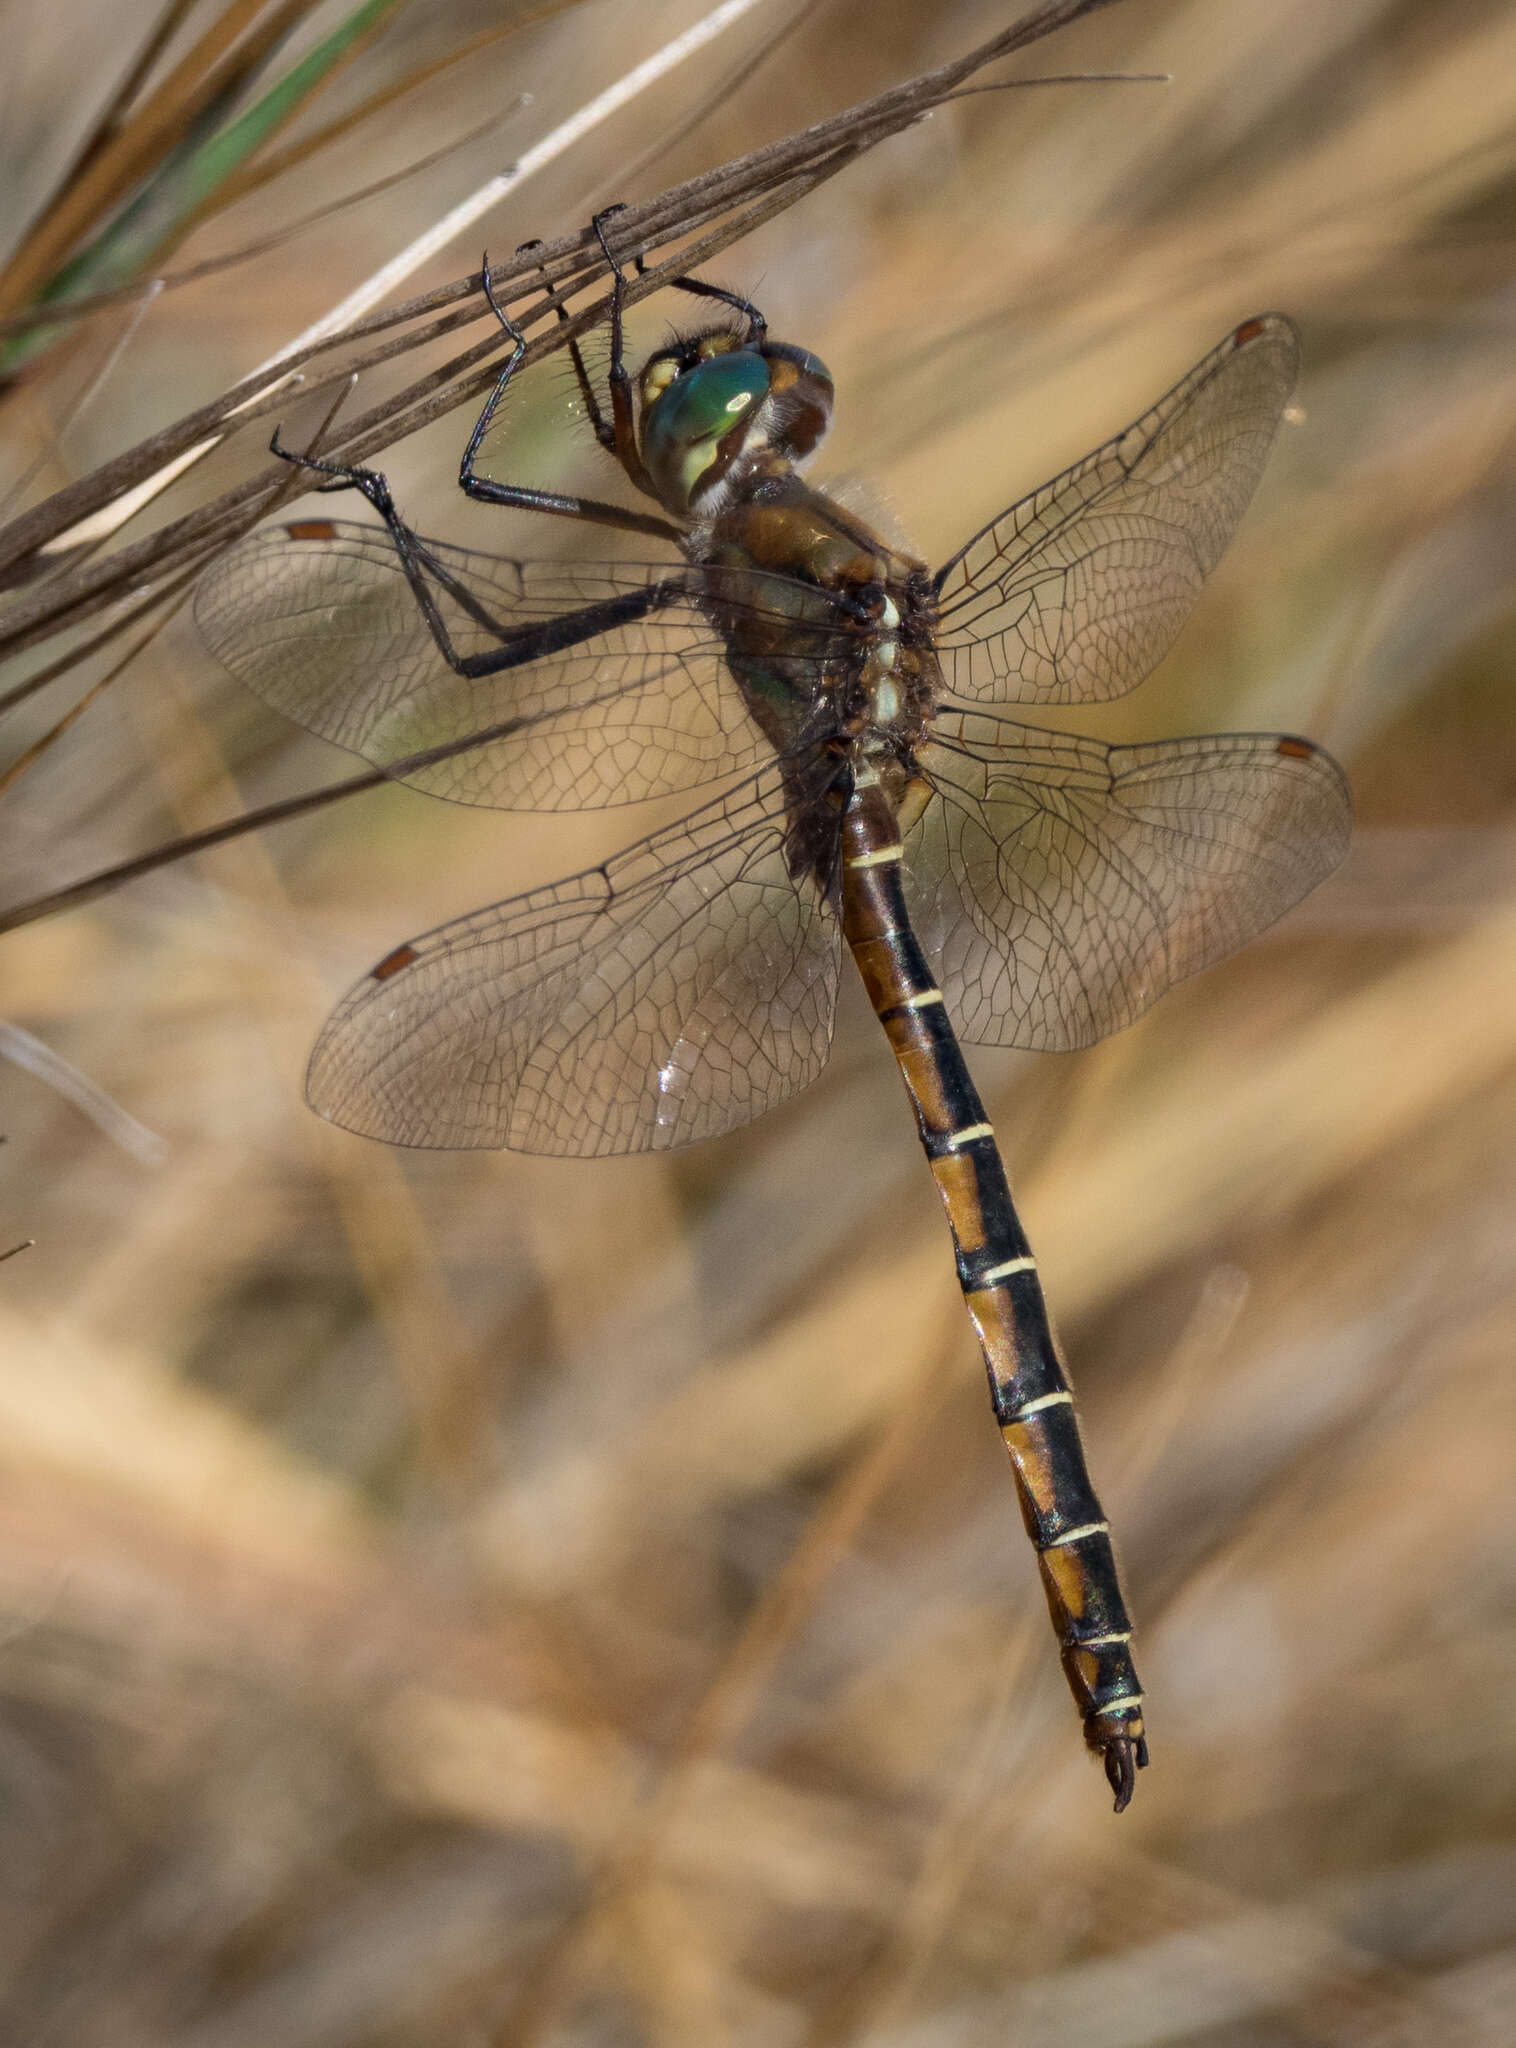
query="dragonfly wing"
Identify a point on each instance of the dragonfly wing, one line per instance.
(683, 988)
(1063, 885)
(1075, 594)
(318, 620)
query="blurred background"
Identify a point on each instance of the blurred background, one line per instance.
(482, 1599)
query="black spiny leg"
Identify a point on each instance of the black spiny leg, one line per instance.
(624, 434)
(516, 644)
(422, 567)
(415, 558)
(757, 326)
(601, 427)
(523, 497)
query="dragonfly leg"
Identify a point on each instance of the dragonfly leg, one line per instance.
(757, 326)
(423, 568)
(344, 476)
(603, 431)
(624, 433)
(524, 497)
(466, 476)
(697, 287)
(415, 559)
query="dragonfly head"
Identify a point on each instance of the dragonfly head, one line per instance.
(713, 397)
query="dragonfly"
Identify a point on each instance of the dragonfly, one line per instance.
(994, 881)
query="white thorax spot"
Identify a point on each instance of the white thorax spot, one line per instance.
(884, 692)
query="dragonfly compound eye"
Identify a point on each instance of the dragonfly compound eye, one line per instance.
(687, 430)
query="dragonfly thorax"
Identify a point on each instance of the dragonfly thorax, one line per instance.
(716, 397)
(829, 630)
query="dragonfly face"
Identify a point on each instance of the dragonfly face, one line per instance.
(718, 402)
(1038, 889)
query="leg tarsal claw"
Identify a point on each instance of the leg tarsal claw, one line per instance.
(598, 224)
(340, 476)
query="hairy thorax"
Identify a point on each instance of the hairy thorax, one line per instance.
(828, 628)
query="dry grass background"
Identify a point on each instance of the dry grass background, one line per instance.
(477, 1599)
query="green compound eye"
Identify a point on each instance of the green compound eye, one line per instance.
(686, 421)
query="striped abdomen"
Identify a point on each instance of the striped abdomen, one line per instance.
(1033, 1402)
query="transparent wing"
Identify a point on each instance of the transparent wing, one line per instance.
(1062, 885)
(1075, 594)
(682, 989)
(318, 620)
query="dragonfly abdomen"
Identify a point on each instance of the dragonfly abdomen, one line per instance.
(1034, 1404)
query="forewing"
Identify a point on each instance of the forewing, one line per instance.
(318, 620)
(682, 989)
(1062, 885)
(1075, 594)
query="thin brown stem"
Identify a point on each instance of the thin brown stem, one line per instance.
(761, 175)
